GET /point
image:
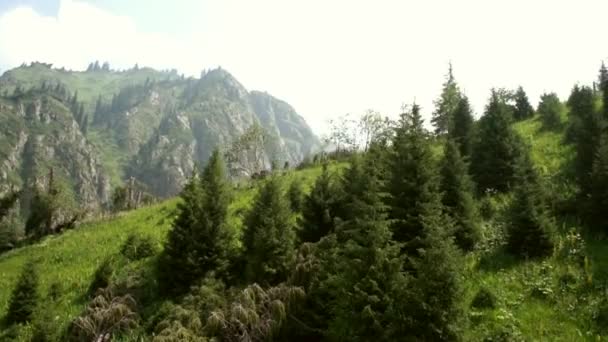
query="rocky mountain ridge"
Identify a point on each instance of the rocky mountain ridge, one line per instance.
(98, 128)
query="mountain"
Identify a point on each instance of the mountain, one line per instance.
(100, 127)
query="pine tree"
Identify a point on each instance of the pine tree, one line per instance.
(319, 209)
(598, 200)
(550, 111)
(269, 237)
(603, 83)
(462, 128)
(446, 104)
(25, 295)
(365, 264)
(414, 186)
(433, 301)
(457, 189)
(295, 193)
(200, 242)
(523, 109)
(496, 148)
(530, 230)
(584, 131)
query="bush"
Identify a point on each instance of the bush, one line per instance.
(138, 247)
(106, 316)
(484, 299)
(600, 315)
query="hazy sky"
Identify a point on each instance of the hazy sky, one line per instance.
(326, 58)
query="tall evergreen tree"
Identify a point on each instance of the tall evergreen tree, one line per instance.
(530, 230)
(269, 236)
(457, 189)
(550, 111)
(365, 264)
(523, 109)
(319, 209)
(433, 305)
(200, 242)
(446, 104)
(462, 127)
(496, 148)
(603, 83)
(414, 186)
(584, 131)
(598, 200)
(25, 295)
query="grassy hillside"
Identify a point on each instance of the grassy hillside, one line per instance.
(552, 300)
(71, 259)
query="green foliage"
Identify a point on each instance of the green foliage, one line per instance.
(433, 303)
(462, 128)
(484, 299)
(319, 208)
(138, 247)
(598, 201)
(295, 193)
(269, 236)
(25, 296)
(414, 183)
(585, 132)
(530, 230)
(523, 109)
(550, 111)
(458, 200)
(496, 148)
(201, 240)
(446, 105)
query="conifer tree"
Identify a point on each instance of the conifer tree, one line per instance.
(366, 266)
(269, 237)
(462, 127)
(550, 111)
(201, 242)
(523, 109)
(414, 186)
(434, 298)
(457, 189)
(603, 83)
(319, 209)
(446, 104)
(496, 148)
(25, 295)
(530, 229)
(296, 195)
(584, 131)
(599, 187)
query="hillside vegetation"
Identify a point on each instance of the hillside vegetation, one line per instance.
(552, 300)
(485, 230)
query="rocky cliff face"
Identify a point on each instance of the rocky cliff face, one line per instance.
(39, 134)
(153, 126)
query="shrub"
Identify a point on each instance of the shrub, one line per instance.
(106, 316)
(138, 247)
(484, 299)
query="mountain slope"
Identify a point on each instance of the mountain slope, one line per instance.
(151, 125)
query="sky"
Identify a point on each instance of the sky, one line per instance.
(325, 58)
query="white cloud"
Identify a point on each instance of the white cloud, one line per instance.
(327, 58)
(81, 33)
